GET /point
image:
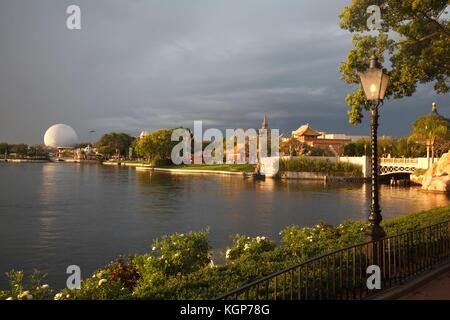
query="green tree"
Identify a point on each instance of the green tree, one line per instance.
(111, 143)
(156, 146)
(21, 150)
(415, 37)
(82, 145)
(385, 146)
(293, 147)
(397, 147)
(432, 130)
(358, 148)
(404, 147)
(38, 150)
(106, 151)
(3, 148)
(350, 150)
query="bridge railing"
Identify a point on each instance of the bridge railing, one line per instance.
(342, 274)
(398, 161)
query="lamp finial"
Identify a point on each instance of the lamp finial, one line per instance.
(373, 61)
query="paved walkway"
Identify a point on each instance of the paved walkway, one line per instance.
(436, 289)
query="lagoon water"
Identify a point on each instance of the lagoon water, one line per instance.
(53, 215)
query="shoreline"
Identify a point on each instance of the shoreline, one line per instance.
(193, 171)
(302, 176)
(314, 176)
(48, 161)
(23, 161)
(139, 166)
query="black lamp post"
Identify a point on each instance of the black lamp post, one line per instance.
(374, 82)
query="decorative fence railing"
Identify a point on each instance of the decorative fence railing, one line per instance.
(342, 274)
(403, 161)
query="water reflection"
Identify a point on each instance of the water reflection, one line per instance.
(397, 201)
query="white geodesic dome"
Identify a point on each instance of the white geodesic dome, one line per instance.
(60, 136)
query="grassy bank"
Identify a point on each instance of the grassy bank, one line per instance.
(179, 266)
(326, 167)
(130, 162)
(212, 167)
(302, 164)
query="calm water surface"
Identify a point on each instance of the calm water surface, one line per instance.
(54, 215)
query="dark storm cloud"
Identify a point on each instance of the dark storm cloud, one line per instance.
(149, 64)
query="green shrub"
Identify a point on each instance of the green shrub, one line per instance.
(306, 243)
(413, 221)
(179, 254)
(95, 289)
(21, 288)
(247, 246)
(115, 281)
(161, 162)
(173, 257)
(210, 282)
(326, 167)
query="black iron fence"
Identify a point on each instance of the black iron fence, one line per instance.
(342, 274)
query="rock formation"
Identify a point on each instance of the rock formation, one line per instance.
(437, 178)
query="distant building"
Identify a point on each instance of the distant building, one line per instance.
(306, 133)
(314, 138)
(88, 153)
(343, 137)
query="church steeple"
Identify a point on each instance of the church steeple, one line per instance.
(265, 125)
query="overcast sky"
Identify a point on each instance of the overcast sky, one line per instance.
(149, 64)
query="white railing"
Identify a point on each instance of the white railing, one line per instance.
(399, 161)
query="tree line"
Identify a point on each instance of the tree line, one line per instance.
(156, 146)
(430, 137)
(22, 150)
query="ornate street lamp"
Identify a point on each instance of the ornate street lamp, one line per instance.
(374, 82)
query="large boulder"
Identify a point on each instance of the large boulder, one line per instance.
(437, 178)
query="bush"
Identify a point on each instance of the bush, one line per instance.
(417, 220)
(161, 162)
(172, 257)
(247, 246)
(327, 167)
(116, 280)
(26, 289)
(305, 243)
(179, 254)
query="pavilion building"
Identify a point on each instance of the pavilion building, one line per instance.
(314, 138)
